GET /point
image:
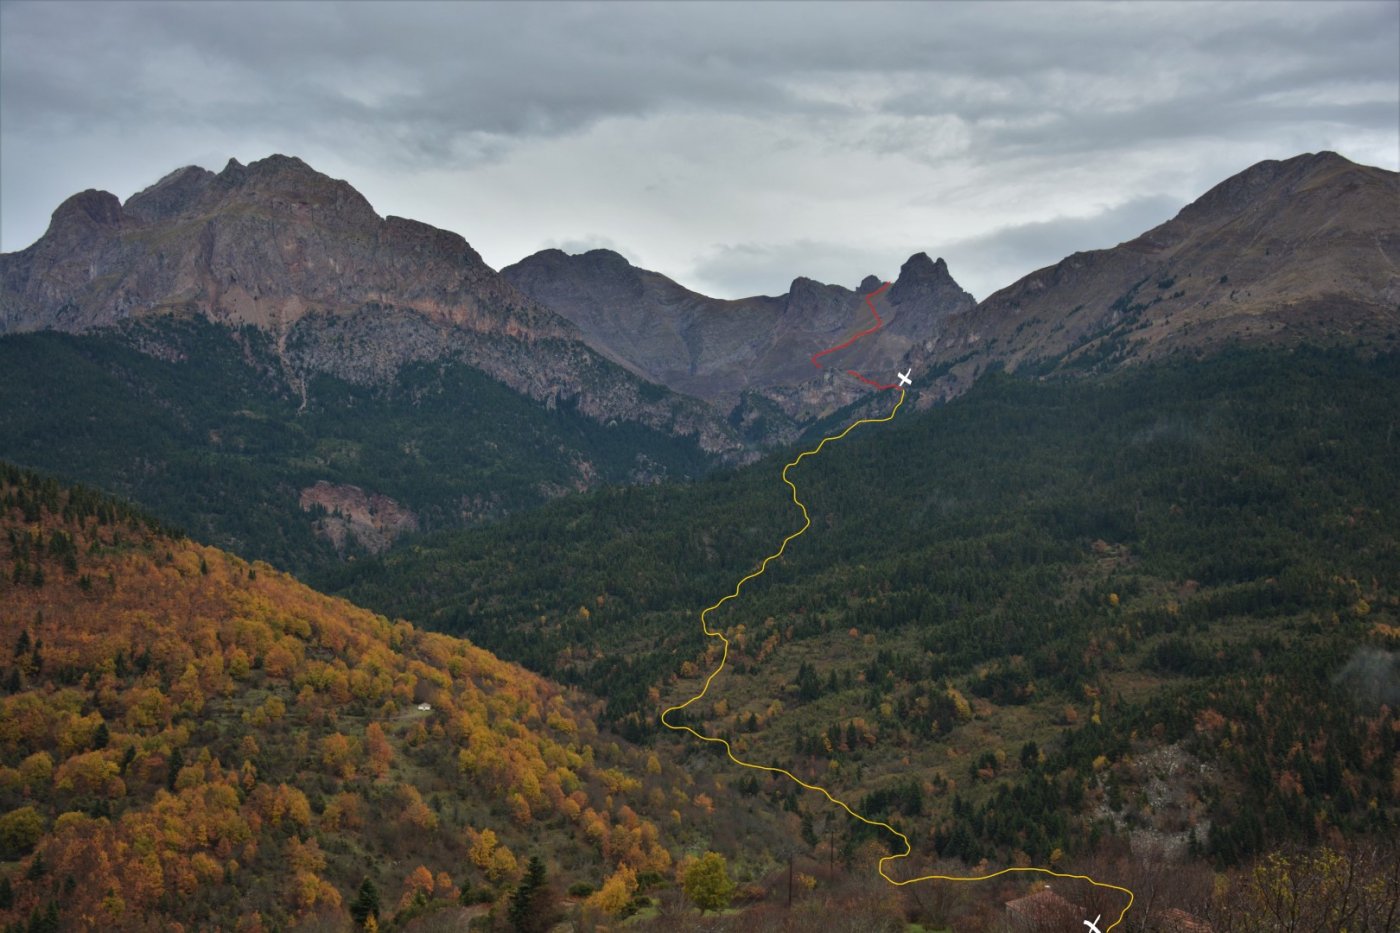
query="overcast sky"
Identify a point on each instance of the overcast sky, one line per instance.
(731, 146)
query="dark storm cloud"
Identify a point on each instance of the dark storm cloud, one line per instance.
(695, 132)
(445, 69)
(440, 69)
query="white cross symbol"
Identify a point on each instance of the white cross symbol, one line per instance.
(1094, 927)
(904, 377)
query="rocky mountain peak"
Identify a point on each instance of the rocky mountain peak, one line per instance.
(171, 195)
(1245, 189)
(806, 294)
(1284, 252)
(869, 284)
(606, 258)
(926, 281)
(304, 258)
(606, 265)
(86, 210)
(285, 186)
(556, 273)
(919, 266)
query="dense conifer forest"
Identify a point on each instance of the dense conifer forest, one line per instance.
(1036, 599)
(207, 428)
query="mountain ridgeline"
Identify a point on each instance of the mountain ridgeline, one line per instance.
(304, 258)
(260, 358)
(755, 351)
(1115, 591)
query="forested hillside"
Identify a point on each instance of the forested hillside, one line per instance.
(203, 426)
(1160, 605)
(188, 738)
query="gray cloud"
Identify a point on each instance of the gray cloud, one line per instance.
(744, 269)
(852, 133)
(1004, 255)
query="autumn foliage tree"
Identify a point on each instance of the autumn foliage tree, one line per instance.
(706, 882)
(191, 735)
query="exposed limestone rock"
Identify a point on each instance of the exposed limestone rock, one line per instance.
(371, 519)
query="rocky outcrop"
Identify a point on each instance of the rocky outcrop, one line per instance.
(264, 244)
(373, 521)
(722, 350)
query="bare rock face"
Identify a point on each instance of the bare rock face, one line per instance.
(1303, 250)
(925, 284)
(371, 519)
(265, 244)
(718, 350)
(304, 257)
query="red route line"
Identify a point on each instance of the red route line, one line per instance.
(879, 323)
(871, 382)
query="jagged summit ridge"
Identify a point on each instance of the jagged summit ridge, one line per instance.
(718, 349)
(927, 283)
(1289, 250)
(267, 244)
(304, 257)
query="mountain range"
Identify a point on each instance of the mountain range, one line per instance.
(1114, 592)
(330, 342)
(721, 350)
(1285, 251)
(304, 259)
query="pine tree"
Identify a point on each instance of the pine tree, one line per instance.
(366, 904)
(177, 761)
(45, 922)
(529, 906)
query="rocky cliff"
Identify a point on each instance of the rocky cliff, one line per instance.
(719, 350)
(280, 247)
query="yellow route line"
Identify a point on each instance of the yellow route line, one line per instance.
(728, 750)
